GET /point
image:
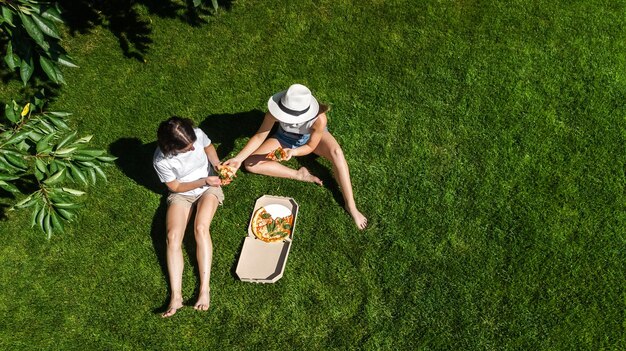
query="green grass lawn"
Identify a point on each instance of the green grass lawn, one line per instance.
(486, 141)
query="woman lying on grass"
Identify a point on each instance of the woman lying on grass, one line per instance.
(182, 163)
(302, 130)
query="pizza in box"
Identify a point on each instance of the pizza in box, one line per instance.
(272, 223)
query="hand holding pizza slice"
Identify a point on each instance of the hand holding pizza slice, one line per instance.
(226, 173)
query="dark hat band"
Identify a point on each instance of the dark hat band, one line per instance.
(290, 111)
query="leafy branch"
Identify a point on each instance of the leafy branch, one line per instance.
(38, 145)
(33, 37)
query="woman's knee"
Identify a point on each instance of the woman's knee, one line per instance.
(174, 239)
(202, 230)
(337, 154)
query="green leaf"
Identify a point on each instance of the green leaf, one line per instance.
(77, 173)
(26, 69)
(17, 161)
(18, 137)
(47, 225)
(65, 151)
(56, 165)
(32, 29)
(10, 113)
(8, 187)
(8, 176)
(46, 127)
(90, 152)
(7, 13)
(83, 158)
(43, 145)
(52, 14)
(92, 176)
(56, 223)
(10, 58)
(40, 165)
(84, 139)
(58, 122)
(41, 216)
(65, 214)
(73, 191)
(35, 214)
(214, 4)
(59, 74)
(26, 202)
(67, 61)
(49, 68)
(5, 166)
(67, 205)
(66, 139)
(99, 171)
(34, 136)
(56, 178)
(196, 3)
(47, 26)
(60, 114)
(106, 158)
(39, 174)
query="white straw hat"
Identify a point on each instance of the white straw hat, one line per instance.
(294, 105)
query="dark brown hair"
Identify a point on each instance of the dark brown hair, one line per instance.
(175, 134)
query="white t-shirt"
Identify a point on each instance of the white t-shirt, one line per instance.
(185, 167)
(303, 128)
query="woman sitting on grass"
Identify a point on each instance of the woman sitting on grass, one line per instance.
(182, 163)
(302, 130)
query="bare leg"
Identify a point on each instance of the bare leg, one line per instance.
(176, 218)
(257, 163)
(207, 205)
(330, 149)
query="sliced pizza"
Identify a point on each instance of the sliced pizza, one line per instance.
(270, 229)
(277, 155)
(226, 173)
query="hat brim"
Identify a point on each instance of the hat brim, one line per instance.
(286, 117)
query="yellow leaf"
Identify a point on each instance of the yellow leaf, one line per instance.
(26, 110)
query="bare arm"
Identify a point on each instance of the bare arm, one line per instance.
(180, 187)
(255, 141)
(318, 129)
(211, 154)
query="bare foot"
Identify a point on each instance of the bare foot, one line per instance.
(174, 306)
(203, 303)
(306, 176)
(359, 219)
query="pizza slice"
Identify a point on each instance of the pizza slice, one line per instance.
(226, 173)
(277, 155)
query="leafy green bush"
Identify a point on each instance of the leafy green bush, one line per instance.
(39, 155)
(33, 37)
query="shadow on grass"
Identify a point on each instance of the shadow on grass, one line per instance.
(121, 17)
(33, 87)
(125, 20)
(4, 207)
(225, 129)
(311, 162)
(135, 159)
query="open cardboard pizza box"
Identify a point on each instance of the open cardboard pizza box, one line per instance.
(263, 262)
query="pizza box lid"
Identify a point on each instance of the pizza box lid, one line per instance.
(262, 262)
